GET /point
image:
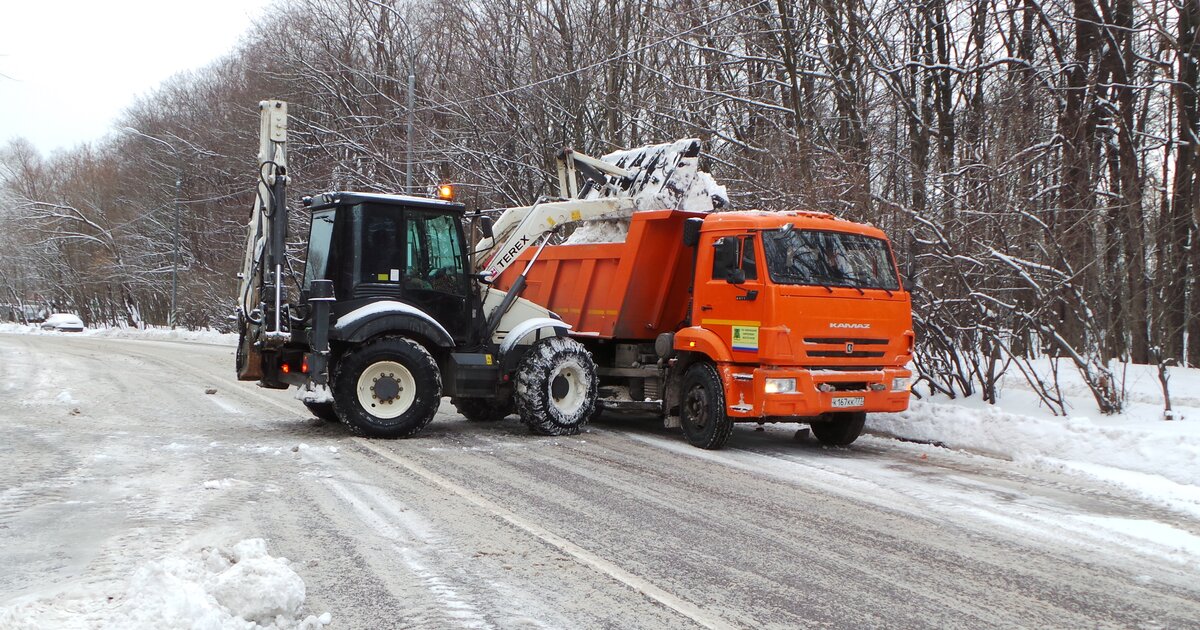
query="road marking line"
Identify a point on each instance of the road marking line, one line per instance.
(646, 588)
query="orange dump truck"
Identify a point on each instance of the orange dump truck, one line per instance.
(712, 319)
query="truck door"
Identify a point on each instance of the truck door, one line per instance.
(729, 298)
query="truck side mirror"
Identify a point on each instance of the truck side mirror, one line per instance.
(735, 276)
(485, 226)
(691, 231)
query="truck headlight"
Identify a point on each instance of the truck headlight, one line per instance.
(902, 384)
(780, 386)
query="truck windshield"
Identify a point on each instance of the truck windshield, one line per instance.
(828, 259)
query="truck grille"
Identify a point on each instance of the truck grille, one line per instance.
(845, 347)
(841, 341)
(846, 368)
(842, 354)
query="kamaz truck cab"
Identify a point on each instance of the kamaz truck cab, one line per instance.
(795, 316)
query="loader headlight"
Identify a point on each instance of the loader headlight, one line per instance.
(902, 384)
(780, 386)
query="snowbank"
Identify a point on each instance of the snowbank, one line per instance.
(163, 334)
(237, 588)
(1137, 449)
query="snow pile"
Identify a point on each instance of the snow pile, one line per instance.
(1137, 449)
(206, 335)
(606, 231)
(665, 177)
(239, 588)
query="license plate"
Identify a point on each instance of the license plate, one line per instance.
(842, 402)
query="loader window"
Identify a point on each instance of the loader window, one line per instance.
(434, 253)
(382, 255)
(320, 236)
(828, 259)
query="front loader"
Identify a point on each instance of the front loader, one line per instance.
(389, 315)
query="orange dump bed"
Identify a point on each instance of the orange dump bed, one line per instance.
(632, 290)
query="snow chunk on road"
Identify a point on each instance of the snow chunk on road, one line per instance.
(237, 588)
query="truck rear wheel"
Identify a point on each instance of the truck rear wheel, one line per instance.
(556, 385)
(841, 429)
(702, 408)
(483, 409)
(323, 410)
(389, 388)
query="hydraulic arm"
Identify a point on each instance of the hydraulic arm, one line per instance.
(262, 312)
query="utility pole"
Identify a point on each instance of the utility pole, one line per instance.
(175, 255)
(412, 81)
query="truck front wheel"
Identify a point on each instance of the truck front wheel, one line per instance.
(841, 429)
(556, 385)
(702, 408)
(388, 388)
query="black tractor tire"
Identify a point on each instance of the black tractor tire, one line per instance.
(323, 410)
(841, 429)
(388, 388)
(483, 409)
(556, 385)
(702, 408)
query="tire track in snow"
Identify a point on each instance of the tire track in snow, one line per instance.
(595, 562)
(408, 537)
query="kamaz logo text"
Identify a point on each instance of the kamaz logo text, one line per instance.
(845, 325)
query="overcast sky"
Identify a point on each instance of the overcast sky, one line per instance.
(68, 67)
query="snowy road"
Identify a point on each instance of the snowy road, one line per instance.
(115, 455)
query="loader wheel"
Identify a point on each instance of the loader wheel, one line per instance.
(388, 388)
(556, 385)
(323, 410)
(702, 408)
(483, 409)
(841, 429)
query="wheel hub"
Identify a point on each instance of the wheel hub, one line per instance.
(559, 387)
(698, 408)
(386, 388)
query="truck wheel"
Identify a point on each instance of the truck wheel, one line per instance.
(556, 385)
(841, 429)
(389, 388)
(323, 410)
(483, 409)
(702, 408)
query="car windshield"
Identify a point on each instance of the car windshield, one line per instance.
(823, 258)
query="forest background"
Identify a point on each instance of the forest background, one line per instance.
(1036, 162)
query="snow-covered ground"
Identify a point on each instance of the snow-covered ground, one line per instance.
(154, 333)
(1136, 449)
(241, 587)
(223, 583)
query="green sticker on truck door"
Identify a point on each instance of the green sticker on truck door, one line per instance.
(745, 338)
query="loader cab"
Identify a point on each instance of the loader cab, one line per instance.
(394, 247)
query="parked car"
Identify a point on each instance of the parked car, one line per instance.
(64, 322)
